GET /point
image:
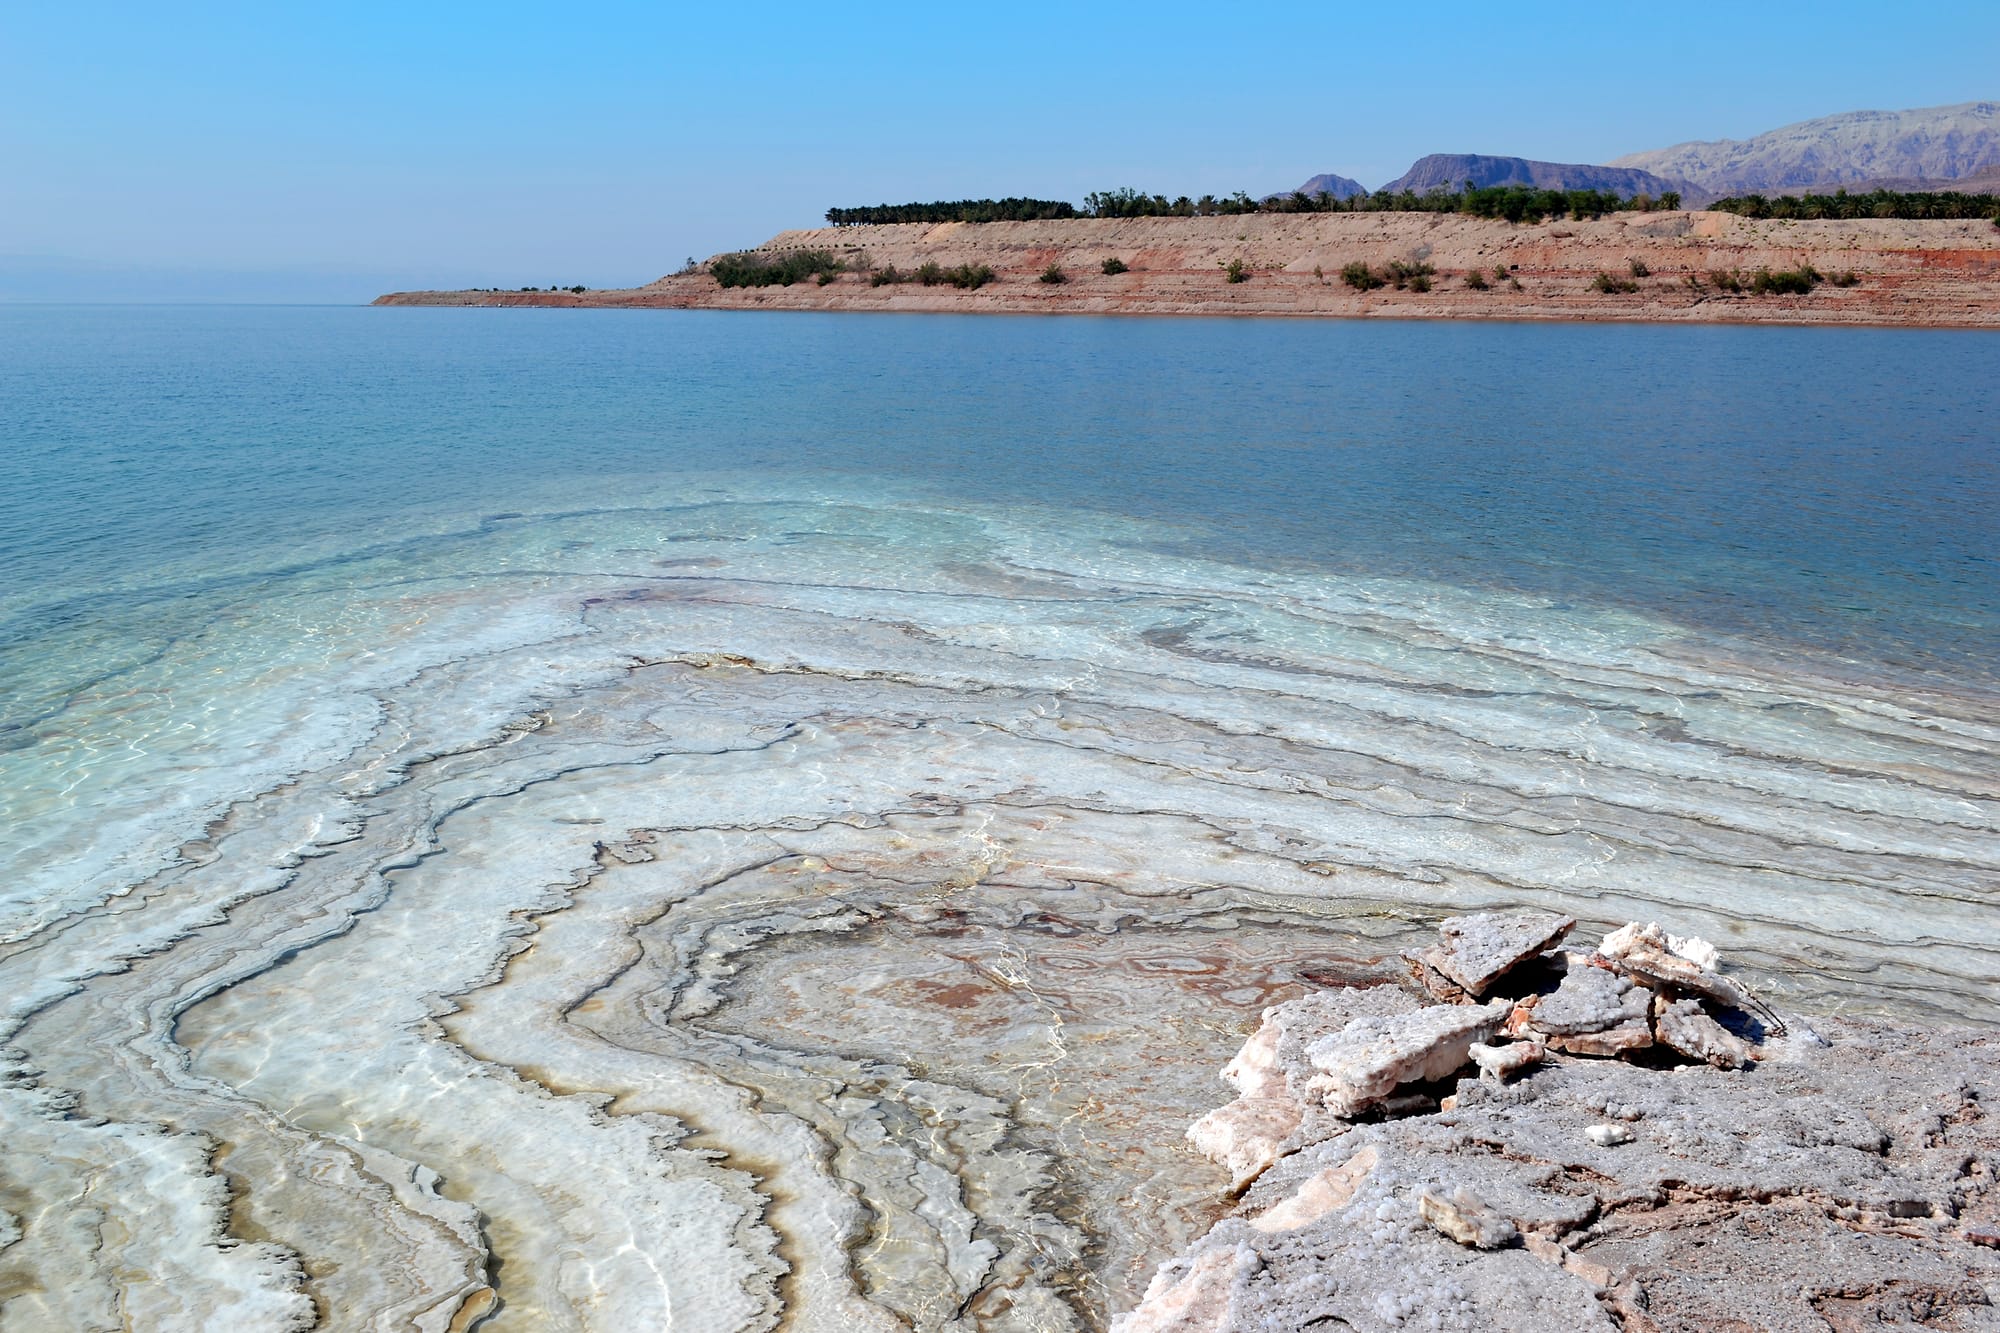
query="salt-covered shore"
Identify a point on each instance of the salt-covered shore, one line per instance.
(1638, 1144)
(1907, 272)
(760, 911)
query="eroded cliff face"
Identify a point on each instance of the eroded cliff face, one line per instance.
(1906, 272)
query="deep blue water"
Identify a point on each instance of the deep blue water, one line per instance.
(1833, 488)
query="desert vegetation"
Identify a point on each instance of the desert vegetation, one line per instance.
(1113, 266)
(1361, 277)
(1414, 275)
(1773, 282)
(1842, 206)
(750, 269)
(1054, 274)
(1785, 282)
(970, 277)
(955, 210)
(1516, 203)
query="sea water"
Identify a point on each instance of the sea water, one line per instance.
(603, 818)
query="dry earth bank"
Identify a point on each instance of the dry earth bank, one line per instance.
(1910, 272)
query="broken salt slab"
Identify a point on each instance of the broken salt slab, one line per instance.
(1684, 1026)
(1480, 948)
(1590, 999)
(1361, 1065)
(1686, 964)
(1497, 1062)
(1245, 1135)
(1634, 1034)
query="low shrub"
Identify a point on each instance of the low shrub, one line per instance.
(1785, 282)
(1848, 279)
(884, 277)
(1054, 274)
(968, 276)
(1113, 265)
(1404, 274)
(1639, 269)
(1609, 285)
(1727, 280)
(1477, 281)
(1361, 277)
(749, 269)
(1235, 271)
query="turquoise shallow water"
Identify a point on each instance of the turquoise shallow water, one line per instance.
(206, 505)
(842, 786)
(1836, 488)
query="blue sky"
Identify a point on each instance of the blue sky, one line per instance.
(270, 151)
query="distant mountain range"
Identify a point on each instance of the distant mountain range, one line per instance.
(1925, 149)
(1936, 143)
(1451, 170)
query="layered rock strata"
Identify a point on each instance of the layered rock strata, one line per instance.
(1836, 1175)
(1906, 272)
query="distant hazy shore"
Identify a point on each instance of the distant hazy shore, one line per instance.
(1907, 272)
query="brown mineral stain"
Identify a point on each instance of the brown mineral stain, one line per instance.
(961, 996)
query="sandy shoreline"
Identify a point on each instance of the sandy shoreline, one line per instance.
(1910, 274)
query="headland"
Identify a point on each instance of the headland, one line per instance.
(1696, 266)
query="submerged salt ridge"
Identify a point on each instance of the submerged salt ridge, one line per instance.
(674, 915)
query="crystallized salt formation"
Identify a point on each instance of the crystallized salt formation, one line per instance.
(1498, 1062)
(1686, 1027)
(1659, 959)
(1466, 1220)
(1361, 1065)
(1480, 948)
(1590, 999)
(1271, 1074)
(1850, 1183)
(831, 882)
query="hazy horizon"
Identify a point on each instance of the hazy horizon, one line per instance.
(237, 154)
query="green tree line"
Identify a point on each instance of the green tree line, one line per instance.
(956, 210)
(1516, 203)
(1842, 206)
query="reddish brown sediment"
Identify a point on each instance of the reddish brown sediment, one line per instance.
(1908, 272)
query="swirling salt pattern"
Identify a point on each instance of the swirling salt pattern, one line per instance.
(829, 909)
